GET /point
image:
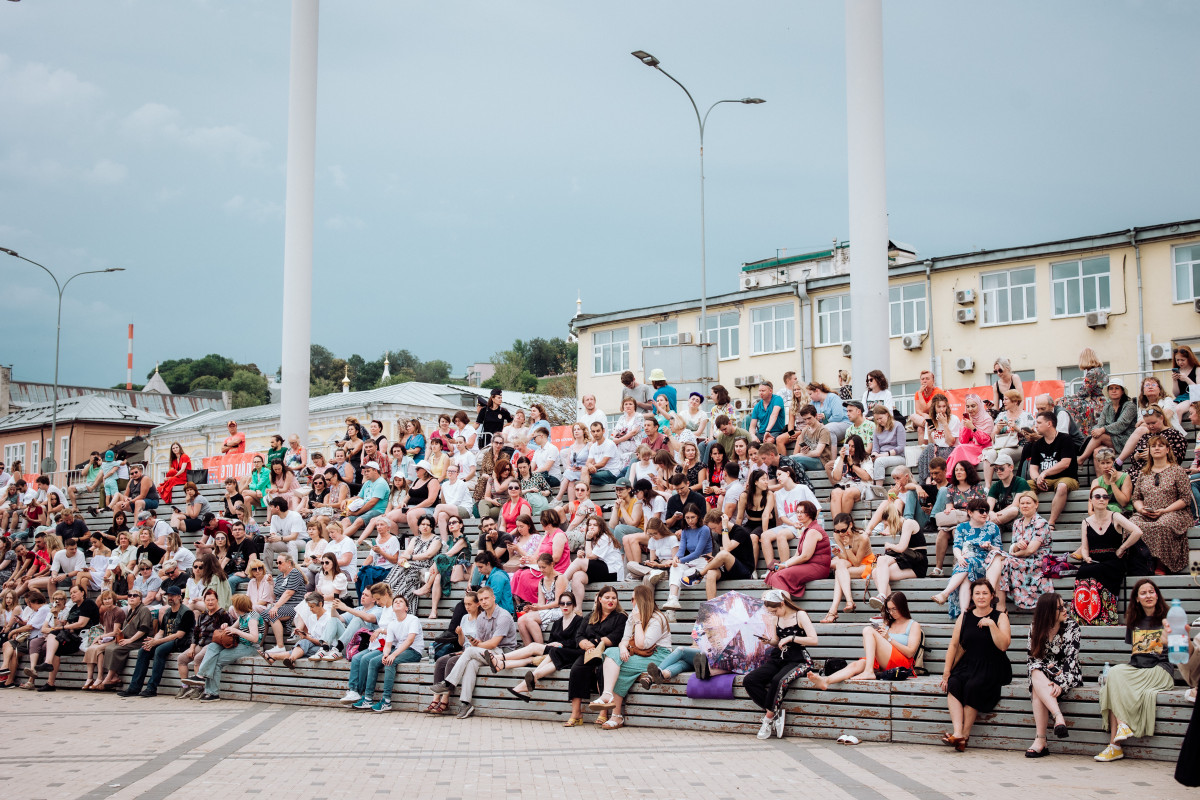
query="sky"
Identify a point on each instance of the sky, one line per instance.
(499, 158)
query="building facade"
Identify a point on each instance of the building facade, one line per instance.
(1129, 295)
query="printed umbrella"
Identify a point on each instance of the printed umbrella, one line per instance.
(727, 630)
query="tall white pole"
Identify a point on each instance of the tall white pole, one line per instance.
(868, 188)
(298, 220)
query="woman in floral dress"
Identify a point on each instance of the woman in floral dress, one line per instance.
(1089, 400)
(1020, 571)
(626, 434)
(1053, 667)
(972, 541)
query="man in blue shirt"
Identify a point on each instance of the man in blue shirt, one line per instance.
(767, 420)
(658, 379)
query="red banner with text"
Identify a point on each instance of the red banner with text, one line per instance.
(233, 465)
(1031, 389)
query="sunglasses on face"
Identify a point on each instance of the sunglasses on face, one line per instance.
(566, 604)
(1099, 496)
(840, 530)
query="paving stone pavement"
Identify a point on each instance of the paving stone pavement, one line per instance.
(73, 745)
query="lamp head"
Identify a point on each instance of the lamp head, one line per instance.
(12, 253)
(645, 58)
(115, 269)
(752, 101)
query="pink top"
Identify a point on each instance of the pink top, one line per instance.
(510, 511)
(564, 560)
(260, 592)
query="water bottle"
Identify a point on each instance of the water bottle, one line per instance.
(1104, 675)
(429, 649)
(1177, 643)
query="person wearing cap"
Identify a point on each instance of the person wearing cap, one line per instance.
(492, 417)
(789, 632)
(1002, 496)
(860, 426)
(423, 495)
(175, 624)
(658, 379)
(374, 494)
(1115, 423)
(235, 442)
(1008, 433)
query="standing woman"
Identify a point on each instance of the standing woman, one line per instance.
(1084, 407)
(1102, 551)
(790, 632)
(1006, 381)
(353, 444)
(603, 629)
(492, 417)
(1128, 697)
(176, 472)
(1053, 667)
(1162, 498)
(1020, 571)
(977, 667)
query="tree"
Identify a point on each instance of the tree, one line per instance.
(249, 388)
(215, 372)
(205, 382)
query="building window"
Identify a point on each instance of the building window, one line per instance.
(64, 462)
(1080, 286)
(610, 351)
(1009, 296)
(903, 393)
(724, 329)
(833, 319)
(16, 452)
(35, 449)
(1072, 376)
(907, 305)
(1187, 273)
(656, 334)
(773, 328)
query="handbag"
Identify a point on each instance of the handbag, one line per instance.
(895, 674)
(225, 639)
(593, 653)
(640, 651)
(951, 519)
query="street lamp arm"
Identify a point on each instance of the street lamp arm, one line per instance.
(45, 269)
(699, 120)
(710, 108)
(88, 272)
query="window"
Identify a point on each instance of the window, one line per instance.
(1079, 286)
(1008, 296)
(658, 333)
(907, 305)
(15, 452)
(1072, 376)
(903, 393)
(724, 329)
(34, 464)
(64, 461)
(1187, 273)
(773, 328)
(833, 319)
(610, 351)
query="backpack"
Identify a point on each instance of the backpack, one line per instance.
(358, 642)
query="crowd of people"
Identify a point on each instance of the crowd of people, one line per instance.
(358, 542)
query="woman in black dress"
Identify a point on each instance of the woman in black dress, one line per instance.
(1102, 573)
(604, 628)
(976, 665)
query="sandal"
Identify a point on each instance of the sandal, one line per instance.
(573, 722)
(432, 707)
(530, 680)
(828, 619)
(603, 718)
(961, 744)
(645, 681)
(492, 662)
(523, 696)
(617, 721)
(849, 608)
(601, 704)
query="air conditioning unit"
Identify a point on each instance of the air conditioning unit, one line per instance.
(739, 404)
(964, 315)
(746, 381)
(1159, 352)
(912, 341)
(964, 297)
(846, 350)
(965, 364)
(1196, 305)
(749, 282)
(739, 382)
(1097, 319)
(685, 338)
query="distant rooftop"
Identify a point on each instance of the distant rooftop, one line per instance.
(23, 394)
(80, 408)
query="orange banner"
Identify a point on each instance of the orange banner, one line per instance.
(234, 465)
(1031, 390)
(561, 436)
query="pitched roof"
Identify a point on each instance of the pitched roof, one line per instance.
(88, 408)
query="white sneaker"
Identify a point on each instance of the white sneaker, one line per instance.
(779, 723)
(764, 731)
(655, 576)
(673, 603)
(754, 575)
(350, 697)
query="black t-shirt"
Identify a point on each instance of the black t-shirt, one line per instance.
(183, 620)
(152, 552)
(676, 504)
(744, 552)
(85, 609)
(250, 546)
(1045, 455)
(179, 580)
(493, 419)
(1149, 645)
(76, 529)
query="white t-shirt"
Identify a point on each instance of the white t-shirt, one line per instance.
(639, 472)
(786, 501)
(391, 547)
(596, 416)
(545, 459)
(612, 557)
(939, 436)
(5, 479)
(400, 629)
(733, 493)
(457, 493)
(37, 619)
(62, 564)
(661, 548)
(605, 449)
(466, 433)
(657, 508)
(290, 523)
(346, 545)
(385, 616)
(184, 558)
(465, 462)
(59, 493)
(315, 626)
(160, 532)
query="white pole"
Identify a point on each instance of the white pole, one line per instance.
(868, 188)
(298, 220)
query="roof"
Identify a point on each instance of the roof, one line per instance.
(88, 408)
(434, 396)
(817, 255)
(27, 393)
(156, 384)
(590, 320)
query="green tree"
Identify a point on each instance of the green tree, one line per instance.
(205, 382)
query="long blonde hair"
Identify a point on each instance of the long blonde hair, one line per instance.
(644, 605)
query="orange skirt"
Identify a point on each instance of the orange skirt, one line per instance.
(867, 564)
(896, 659)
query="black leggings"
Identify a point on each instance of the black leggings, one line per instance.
(769, 683)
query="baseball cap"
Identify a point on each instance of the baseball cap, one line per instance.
(108, 455)
(623, 481)
(173, 591)
(1004, 460)
(143, 516)
(375, 466)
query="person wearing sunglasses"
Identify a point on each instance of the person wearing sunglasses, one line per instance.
(1106, 538)
(562, 633)
(1153, 422)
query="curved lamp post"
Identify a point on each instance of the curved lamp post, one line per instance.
(49, 465)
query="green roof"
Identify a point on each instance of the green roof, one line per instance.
(786, 260)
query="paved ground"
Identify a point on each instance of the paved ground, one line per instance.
(71, 745)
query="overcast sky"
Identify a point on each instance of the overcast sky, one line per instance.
(478, 163)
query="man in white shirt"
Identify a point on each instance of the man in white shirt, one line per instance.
(789, 495)
(159, 529)
(5, 478)
(601, 453)
(591, 413)
(67, 565)
(457, 496)
(288, 529)
(545, 457)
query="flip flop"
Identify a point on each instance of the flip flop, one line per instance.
(530, 680)
(519, 695)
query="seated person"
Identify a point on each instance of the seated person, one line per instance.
(1002, 496)
(34, 617)
(1052, 464)
(733, 559)
(851, 477)
(208, 621)
(402, 643)
(496, 629)
(317, 633)
(1153, 423)
(175, 624)
(646, 640)
(888, 644)
(604, 628)
(562, 634)
(1162, 500)
(790, 632)
(852, 558)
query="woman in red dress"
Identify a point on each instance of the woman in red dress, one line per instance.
(176, 473)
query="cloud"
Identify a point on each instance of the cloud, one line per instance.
(338, 175)
(253, 209)
(155, 122)
(106, 172)
(341, 222)
(19, 164)
(34, 84)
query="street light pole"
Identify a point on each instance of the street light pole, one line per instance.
(49, 465)
(701, 121)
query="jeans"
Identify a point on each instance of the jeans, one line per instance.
(680, 661)
(603, 478)
(809, 463)
(237, 584)
(364, 671)
(159, 654)
(622, 530)
(216, 657)
(353, 625)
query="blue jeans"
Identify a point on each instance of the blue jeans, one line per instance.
(622, 530)
(1195, 496)
(809, 463)
(364, 670)
(236, 584)
(680, 661)
(159, 654)
(603, 478)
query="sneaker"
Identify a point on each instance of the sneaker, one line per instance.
(1123, 732)
(466, 711)
(754, 575)
(148, 693)
(655, 576)
(691, 579)
(192, 681)
(44, 667)
(442, 687)
(47, 687)
(183, 692)
(319, 655)
(764, 730)
(878, 602)
(350, 697)
(1111, 753)
(779, 723)
(362, 705)
(209, 698)
(382, 705)
(194, 693)
(672, 603)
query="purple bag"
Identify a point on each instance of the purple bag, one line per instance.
(718, 687)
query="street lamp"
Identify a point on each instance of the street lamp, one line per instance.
(49, 465)
(651, 61)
